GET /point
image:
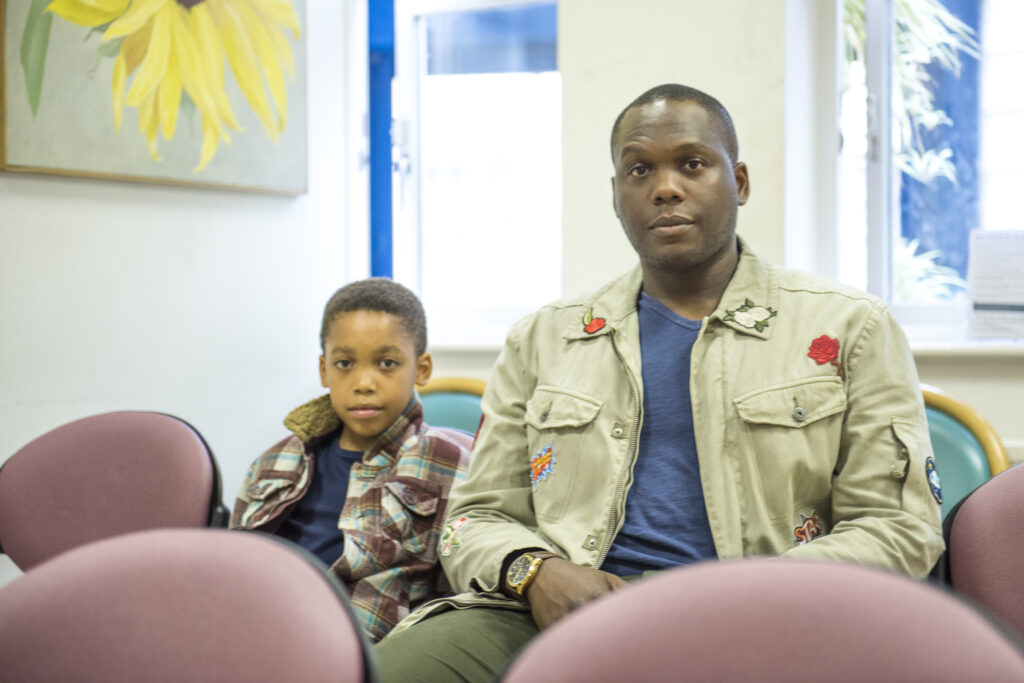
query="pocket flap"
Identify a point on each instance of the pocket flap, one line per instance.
(793, 404)
(420, 497)
(551, 407)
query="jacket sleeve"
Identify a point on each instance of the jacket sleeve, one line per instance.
(884, 511)
(492, 512)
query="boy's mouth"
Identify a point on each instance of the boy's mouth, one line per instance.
(365, 411)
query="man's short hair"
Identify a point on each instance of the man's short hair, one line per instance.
(673, 92)
(378, 294)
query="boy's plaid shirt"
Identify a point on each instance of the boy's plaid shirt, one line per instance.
(393, 513)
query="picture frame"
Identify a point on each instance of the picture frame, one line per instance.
(59, 94)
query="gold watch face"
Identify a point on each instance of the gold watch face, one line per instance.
(518, 570)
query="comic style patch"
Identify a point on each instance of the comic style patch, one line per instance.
(542, 464)
(932, 472)
(450, 536)
(809, 529)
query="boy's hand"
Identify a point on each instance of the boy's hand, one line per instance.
(562, 586)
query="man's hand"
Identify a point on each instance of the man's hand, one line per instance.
(562, 586)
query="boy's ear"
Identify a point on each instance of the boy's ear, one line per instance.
(424, 368)
(323, 371)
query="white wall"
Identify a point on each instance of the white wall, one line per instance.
(205, 304)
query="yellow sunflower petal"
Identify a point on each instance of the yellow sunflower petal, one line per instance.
(284, 51)
(210, 58)
(244, 62)
(267, 57)
(134, 48)
(148, 124)
(140, 12)
(209, 146)
(88, 12)
(153, 67)
(194, 78)
(280, 12)
(120, 74)
(169, 99)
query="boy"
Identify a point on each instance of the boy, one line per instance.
(362, 482)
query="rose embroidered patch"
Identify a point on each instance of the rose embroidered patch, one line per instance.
(592, 324)
(824, 350)
(750, 316)
(450, 536)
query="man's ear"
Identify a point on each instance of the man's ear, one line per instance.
(323, 371)
(424, 368)
(742, 182)
(615, 203)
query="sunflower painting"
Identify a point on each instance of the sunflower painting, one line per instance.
(180, 91)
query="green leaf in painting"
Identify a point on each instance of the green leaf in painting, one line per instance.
(34, 42)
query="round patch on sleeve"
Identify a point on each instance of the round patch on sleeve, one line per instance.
(933, 478)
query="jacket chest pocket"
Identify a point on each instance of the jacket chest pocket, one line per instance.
(557, 424)
(790, 436)
(404, 509)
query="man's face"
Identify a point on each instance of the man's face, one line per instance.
(371, 368)
(676, 191)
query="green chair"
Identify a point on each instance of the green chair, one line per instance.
(453, 402)
(968, 452)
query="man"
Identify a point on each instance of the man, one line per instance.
(705, 406)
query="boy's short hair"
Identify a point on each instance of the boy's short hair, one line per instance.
(378, 294)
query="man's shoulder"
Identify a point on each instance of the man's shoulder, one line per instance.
(830, 292)
(618, 296)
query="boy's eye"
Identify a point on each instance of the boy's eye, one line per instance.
(389, 363)
(344, 363)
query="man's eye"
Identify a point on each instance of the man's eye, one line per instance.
(694, 164)
(638, 171)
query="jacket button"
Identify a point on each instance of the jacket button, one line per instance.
(544, 415)
(590, 543)
(799, 414)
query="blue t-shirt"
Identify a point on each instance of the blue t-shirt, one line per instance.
(666, 523)
(313, 522)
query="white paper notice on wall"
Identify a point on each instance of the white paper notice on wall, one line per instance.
(995, 276)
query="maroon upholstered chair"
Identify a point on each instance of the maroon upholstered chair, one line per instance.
(985, 547)
(105, 475)
(776, 619)
(180, 605)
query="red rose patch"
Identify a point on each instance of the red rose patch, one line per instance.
(824, 350)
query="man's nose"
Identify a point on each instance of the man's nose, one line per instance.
(668, 187)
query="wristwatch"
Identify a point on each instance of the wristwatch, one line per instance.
(523, 571)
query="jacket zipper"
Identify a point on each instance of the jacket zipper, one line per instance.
(633, 434)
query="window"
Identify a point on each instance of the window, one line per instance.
(931, 117)
(477, 164)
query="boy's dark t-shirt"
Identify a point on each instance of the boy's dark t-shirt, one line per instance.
(313, 523)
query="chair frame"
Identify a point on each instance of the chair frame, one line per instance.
(454, 385)
(978, 426)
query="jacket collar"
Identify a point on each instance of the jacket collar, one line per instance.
(316, 419)
(749, 304)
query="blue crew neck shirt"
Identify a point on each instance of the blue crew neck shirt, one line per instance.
(666, 523)
(313, 522)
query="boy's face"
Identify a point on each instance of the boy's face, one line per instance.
(371, 368)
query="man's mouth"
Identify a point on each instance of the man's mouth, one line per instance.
(673, 221)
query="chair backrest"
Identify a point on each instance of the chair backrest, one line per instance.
(985, 547)
(180, 605)
(773, 619)
(105, 475)
(968, 451)
(453, 402)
